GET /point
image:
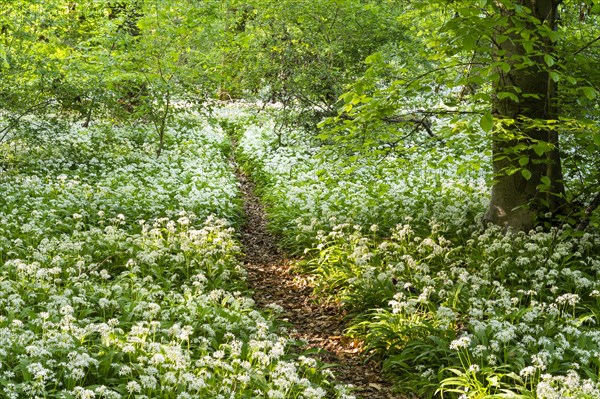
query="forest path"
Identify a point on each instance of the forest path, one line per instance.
(272, 280)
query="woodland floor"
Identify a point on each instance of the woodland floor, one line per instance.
(273, 281)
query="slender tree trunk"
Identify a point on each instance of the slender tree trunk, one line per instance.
(163, 125)
(88, 114)
(556, 192)
(516, 198)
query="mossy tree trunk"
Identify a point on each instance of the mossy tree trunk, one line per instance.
(527, 167)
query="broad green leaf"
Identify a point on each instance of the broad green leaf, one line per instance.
(554, 35)
(487, 122)
(505, 66)
(494, 77)
(505, 94)
(545, 180)
(529, 95)
(523, 161)
(374, 58)
(347, 97)
(526, 174)
(589, 92)
(554, 76)
(501, 39)
(469, 42)
(549, 60)
(541, 148)
(596, 138)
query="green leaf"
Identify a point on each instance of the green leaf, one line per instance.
(523, 161)
(501, 39)
(374, 59)
(554, 76)
(487, 122)
(546, 181)
(504, 94)
(526, 174)
(541, 148)
(554, 35)
(347, 97)
(596, 138)
(589, 92)
(549, 60)
(469, 42)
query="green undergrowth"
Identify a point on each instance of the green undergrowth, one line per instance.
(453, 308)
(121, 277)
(307, 188)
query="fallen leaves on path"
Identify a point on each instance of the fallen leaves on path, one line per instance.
(321, 325)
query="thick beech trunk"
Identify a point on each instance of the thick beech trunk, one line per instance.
(516, 198)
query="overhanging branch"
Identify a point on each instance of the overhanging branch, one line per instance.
(586, 46)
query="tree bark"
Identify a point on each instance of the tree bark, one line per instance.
(516, 200)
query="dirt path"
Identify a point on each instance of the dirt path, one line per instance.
(271, 279)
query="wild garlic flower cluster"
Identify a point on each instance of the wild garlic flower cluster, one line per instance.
(486, 309)
(400, 241)
(307, 193)
(120, 274)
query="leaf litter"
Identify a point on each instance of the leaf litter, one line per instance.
(320, 324)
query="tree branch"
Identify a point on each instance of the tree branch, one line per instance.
(417, 122)
(583, 224)
(440, 69)
(586, 46)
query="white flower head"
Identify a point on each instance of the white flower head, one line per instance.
(462, 343)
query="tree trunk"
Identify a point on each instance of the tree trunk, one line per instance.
(161, 126)
(524, 156)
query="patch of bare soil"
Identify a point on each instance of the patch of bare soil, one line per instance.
(271, 278)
